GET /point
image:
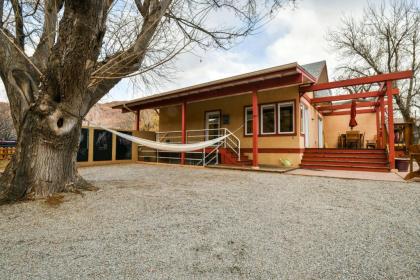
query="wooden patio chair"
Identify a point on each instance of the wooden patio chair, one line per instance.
(371, 144)
(414, 156)
(352, 139)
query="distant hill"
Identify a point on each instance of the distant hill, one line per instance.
(101, 114)
(104, 115)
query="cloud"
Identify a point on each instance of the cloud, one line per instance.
(306, 39)
(294, 35)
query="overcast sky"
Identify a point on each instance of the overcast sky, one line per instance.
(293, 36)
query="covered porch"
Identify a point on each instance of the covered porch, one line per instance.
(233, 104)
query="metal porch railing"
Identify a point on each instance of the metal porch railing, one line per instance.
(203, 157)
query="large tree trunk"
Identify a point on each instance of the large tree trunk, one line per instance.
(45, 159)
(53, 90)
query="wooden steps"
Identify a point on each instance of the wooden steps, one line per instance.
(229, 157)
(374, 160)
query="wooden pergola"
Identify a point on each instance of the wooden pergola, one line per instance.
(383, 102)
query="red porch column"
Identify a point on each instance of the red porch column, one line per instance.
(255, 122)
(378, 128)
(382, 106)
(390, 125)
(137, 121)
(183, 128)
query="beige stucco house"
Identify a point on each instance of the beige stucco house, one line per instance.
(275, 119)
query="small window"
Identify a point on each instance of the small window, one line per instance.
(286, 117)
(248, 121)
(268, 119)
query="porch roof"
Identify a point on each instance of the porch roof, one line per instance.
(275, 77)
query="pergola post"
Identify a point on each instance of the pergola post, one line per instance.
(378, 126)
(255, 129)
(382, 106)
(183, 128)
(390, 125)
(137, 121)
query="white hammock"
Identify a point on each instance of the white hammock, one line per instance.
(168, 147)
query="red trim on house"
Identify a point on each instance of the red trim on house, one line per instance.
(351, 96)
(360, 81)
(275, 150)
(307, 75)
(255, 128)
(378, 130)
(229, 91)
(390, 125)
(382, 106)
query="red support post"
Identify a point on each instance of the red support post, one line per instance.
(183, 128)
(390, 125)
(378, 127)
(137, 121)
(255, 129)
(382, 106)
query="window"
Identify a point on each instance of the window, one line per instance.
(286, 123)
(268, 119)
(248, 121)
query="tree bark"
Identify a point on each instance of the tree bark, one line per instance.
(45, 159)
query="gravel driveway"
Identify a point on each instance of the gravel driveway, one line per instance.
(169, 222)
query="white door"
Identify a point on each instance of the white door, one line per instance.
(320, 133)
(212, 125)
(306, 126)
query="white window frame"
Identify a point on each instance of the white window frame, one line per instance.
(284, 104)
(302, 119)
(246, 121)
(262, 120)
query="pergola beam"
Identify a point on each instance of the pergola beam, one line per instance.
(394, 91)
(347, 112)
(347, 106)
(360, 81)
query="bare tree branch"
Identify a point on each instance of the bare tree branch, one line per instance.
(49, 32)
(20, 35)
(384, 39)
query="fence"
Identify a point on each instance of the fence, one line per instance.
(6, 153)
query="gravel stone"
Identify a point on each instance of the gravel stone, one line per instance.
(171, 222)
